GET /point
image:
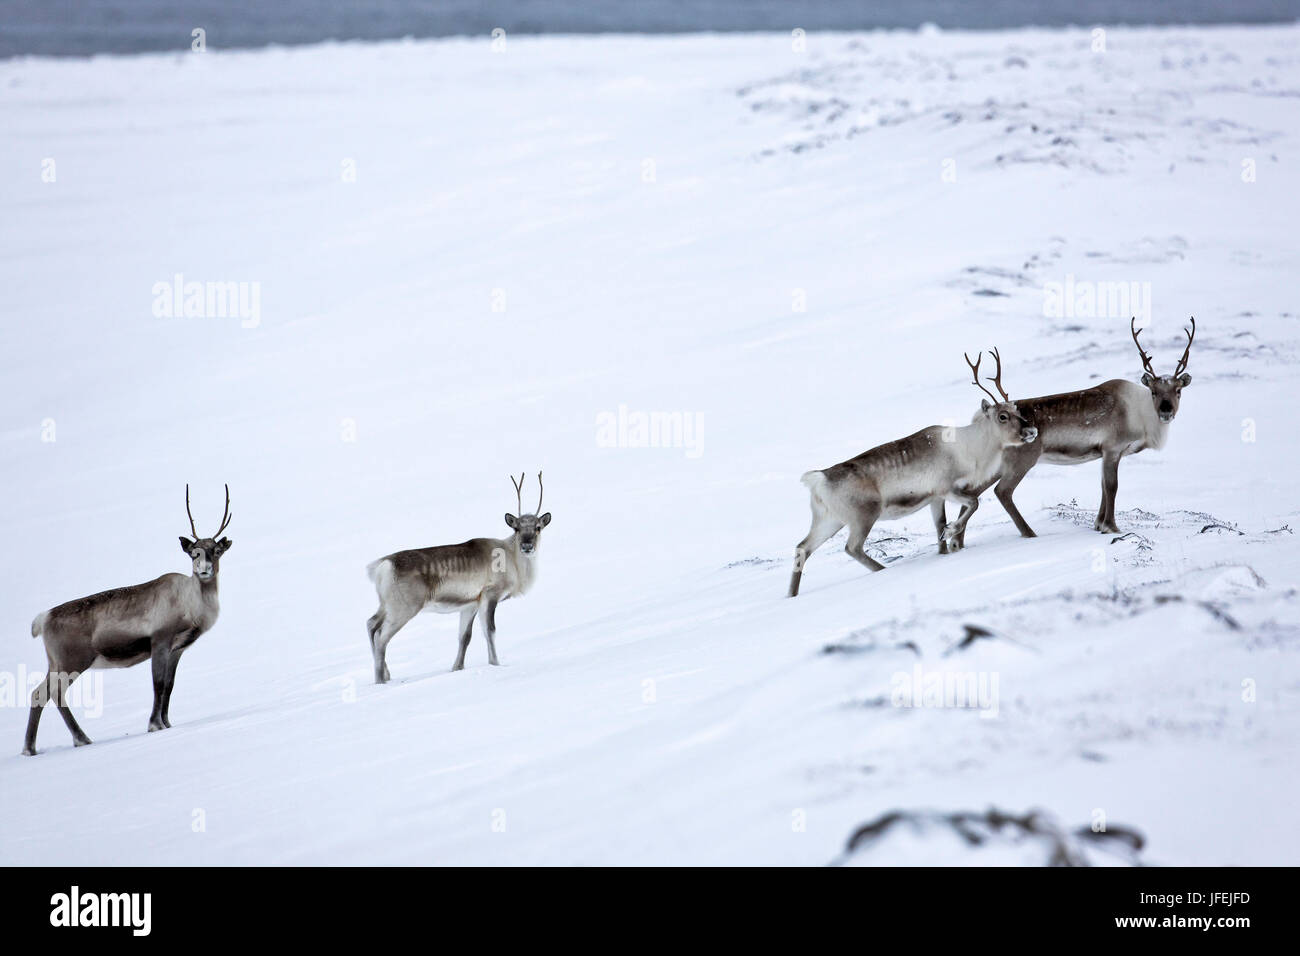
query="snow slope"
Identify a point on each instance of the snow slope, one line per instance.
(773, 244)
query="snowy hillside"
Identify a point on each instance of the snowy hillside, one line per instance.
(461, 263)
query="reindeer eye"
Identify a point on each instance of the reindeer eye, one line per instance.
(1002, 418)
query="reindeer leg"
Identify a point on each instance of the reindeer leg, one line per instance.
(373, 625)
(955, 534)
(487, 611)
(940, 516)
(1016, 464)
(858, 531)
(40, 695)
(1109, 486)
(823, 529)
(466, 631)
(168, 683)
(159, 657)
(66, 680)
(393, 620)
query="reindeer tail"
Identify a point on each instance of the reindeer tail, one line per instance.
(38, 623)
(380, 573)
(814, 480)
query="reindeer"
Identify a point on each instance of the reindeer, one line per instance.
(1107, 421)
(898, 479)
(155, 621)
(471, 578)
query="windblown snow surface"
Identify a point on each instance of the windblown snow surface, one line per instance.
(468, 259)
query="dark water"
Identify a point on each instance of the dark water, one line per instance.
(81, 27)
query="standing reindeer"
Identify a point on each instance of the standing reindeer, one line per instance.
(898, 479)
(471, 578)
(1107, 421)
(155, 621)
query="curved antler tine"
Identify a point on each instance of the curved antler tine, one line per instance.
(519, 486)
(997, 378)
(539, 493)
(1187, 352)
(225, 515)
(975, 372)
(1146, 359)
(193, 530)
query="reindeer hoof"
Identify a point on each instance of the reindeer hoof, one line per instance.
(83, 742)
(153, 725)
(29, 751)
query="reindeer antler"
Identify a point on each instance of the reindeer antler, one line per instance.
(1146, 359)
(519, 490)
(975, 372)
(193, 530)
(225, 517)
(997, 379)
(539, 493)
(1182, 362)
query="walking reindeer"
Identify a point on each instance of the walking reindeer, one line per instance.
(155, 621)
(1107, 421)
(897, 479)
(471, 578)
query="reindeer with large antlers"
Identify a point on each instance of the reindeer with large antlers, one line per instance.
(470, 578)
(894, 480)
(1107, 421)
(155, 621)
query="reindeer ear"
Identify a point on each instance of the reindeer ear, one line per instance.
(1147, 379)
(511, 522)
(1184, 380)
(984, 405)
(545, 519)
(224, 545)
(186, 544)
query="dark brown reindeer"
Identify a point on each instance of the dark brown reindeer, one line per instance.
(155, 621)
(1107, 421)
(899, 478)
(470, 578)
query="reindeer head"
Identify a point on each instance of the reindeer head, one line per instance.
(1006, 419)
(1166, 390)
(206, 552)
(528, 527)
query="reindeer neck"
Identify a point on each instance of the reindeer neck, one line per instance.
(1154, 432)
(525, 566)
(208, 588)
(981, 441)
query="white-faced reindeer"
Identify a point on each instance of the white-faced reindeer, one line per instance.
(471, 578)
(1107, 421)
(898, 479)
(155, 621)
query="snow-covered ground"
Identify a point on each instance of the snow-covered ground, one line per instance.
(468, 261)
